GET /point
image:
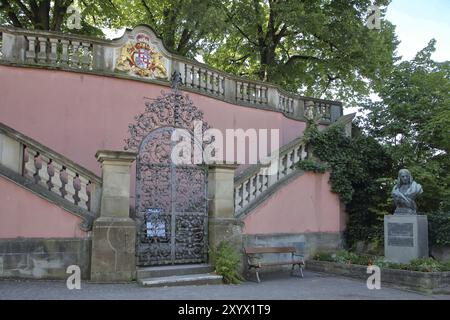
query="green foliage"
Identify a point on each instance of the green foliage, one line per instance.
(317, 47)
(311, 165)
(412, 121)
(439, 228)
(346, 257)
(226, 261)
(358, 165)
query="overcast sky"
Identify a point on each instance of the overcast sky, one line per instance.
(418, 21)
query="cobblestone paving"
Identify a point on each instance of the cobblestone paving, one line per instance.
(273, 287)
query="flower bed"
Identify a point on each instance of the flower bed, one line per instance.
(426, 275)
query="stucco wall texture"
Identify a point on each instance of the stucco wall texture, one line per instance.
(24, 214)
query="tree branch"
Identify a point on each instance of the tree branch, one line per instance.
(230, 17)
(26, 11)
(5, 6)
(296, 57)
(149, 13)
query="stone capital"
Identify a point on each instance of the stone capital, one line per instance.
(115, 156)
(229, 166)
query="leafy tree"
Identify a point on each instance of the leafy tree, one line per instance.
(52, 14)
(412, 120)
(319, 48)
(186, 26)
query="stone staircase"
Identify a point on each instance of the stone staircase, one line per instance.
(177, 275)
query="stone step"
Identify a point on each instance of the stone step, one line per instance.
(183, 280)
(177, 270)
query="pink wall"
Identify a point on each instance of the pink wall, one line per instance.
(77, 114)
(302, 206)
(24, 214)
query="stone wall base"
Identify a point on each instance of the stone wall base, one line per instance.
(39, 258)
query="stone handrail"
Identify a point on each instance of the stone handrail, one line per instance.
(254, 182)
(87, 54)
(49, 169)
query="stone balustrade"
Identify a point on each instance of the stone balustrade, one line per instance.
(98, 56)
(255, 182)
(50, 170)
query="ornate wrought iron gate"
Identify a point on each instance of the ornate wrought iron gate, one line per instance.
(171, 205)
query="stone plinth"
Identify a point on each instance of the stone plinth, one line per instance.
(113, 250)
(405, 237)
(114, 233)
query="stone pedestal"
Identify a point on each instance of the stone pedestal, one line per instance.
(114, 233)
(223, 226)
(405, 237)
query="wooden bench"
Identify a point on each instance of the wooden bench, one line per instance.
(253, 263)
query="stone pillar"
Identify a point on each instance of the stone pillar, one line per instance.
(114, 232)
(405, 237)
(223, 225)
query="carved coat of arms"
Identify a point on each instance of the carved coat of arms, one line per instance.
(141, 59)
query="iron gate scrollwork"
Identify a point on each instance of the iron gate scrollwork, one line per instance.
(171, 200)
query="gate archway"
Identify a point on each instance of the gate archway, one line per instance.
(171, 200)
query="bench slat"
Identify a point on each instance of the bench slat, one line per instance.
(255, 250)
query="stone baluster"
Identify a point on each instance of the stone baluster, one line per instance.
(30, 163)
(239, 95)
(237, 198)
(64, 52)
(216, 84)
(209, 81)
(265, 95)
(251, 189)
(192, 76)
(31, 52)
(246, 91)
(42, 55)
(273, 178)
(82, 193)
(290, 162)
(258, 185)
(245, 193)
(69, 187)
(297, 154)
(75, 57)
(53, 55)
(56, 178)
(265, 183)
(222, 86)
(86, 55)
(198, 74)
(44, 177)
(204, 77)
